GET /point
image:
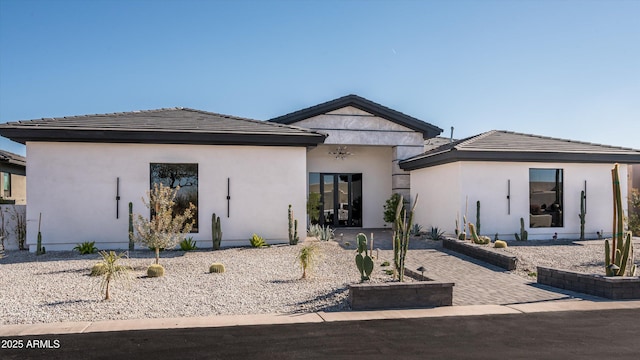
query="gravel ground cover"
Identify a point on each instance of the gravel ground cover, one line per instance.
(57, 287)
(581, 256)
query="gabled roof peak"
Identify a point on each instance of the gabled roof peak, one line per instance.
(361, 103)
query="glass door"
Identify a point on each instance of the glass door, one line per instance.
(335, 199)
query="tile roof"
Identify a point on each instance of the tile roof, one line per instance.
(171, 125)
(361, 103)
(11, 158)
(500, 145)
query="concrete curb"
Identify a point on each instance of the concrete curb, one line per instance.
(318, 317)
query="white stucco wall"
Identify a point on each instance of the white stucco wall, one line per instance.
(73, 185)
(374, 162)
(487, 182)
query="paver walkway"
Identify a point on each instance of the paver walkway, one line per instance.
(476, 282)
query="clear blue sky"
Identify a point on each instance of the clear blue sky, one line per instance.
(568, 69)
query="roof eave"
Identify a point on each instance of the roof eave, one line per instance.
(161, 137)
(522, 156)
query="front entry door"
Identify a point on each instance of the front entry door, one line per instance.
(340, 198)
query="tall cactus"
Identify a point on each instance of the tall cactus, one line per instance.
(524, 234)
(131, 239)
(293, 228)
(39, 248)
(618, 252)
(478, 216)
(216, 231)
(363, 262)
(401, 237)
(583, 214)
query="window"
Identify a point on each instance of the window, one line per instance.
(545, 197)
(184, 176)
(6, 184)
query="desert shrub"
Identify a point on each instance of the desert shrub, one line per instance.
(216, 268)
(98, 269)
(188, 244)
(326, 233)
(257, 241)
(385, 263)
(390, 208)
(87, 247)
(165, 229)
(416, 229)
(634, 212)
(155, 270)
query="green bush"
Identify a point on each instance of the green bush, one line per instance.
(188, 244)
(87, 247)
(390, 208)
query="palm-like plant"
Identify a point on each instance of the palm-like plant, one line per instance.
(111, 270)
(308, 257)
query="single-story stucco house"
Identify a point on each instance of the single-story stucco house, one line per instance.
(349, 155)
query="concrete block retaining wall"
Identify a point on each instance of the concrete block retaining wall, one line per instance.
(400, 295)
(477, 252)
(616, 288)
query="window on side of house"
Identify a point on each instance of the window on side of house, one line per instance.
(6, 184)
(184, 176)
(546, 197)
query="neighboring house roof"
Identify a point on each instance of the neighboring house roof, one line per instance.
(435, 142)
(363, 104)
(13, 159)
(499, 145)
(162, 126)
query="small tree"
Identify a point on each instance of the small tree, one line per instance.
(165, 229)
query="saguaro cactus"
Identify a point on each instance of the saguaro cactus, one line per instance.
(364, 263)
(131, 238)
(293, 228)
(524, 234)
(478, 216)
(216, 231)
(583, 214)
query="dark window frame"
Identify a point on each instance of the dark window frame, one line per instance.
(546, 197)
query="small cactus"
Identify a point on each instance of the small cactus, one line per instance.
(478, 216)
(216, 268)
(500, 244)
(155, 270)
(524, 235)
(364, 263)
(478, 239)
(293, 228)
(216, 231)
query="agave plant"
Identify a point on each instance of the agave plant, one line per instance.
(326, 233)
(87, 247)
(188, 244)
(435, 233)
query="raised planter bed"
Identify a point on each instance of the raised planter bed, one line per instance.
(397, 295)
(506, 262)
(616, 287)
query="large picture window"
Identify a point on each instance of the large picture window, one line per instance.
(184, 176)
(545, 197)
